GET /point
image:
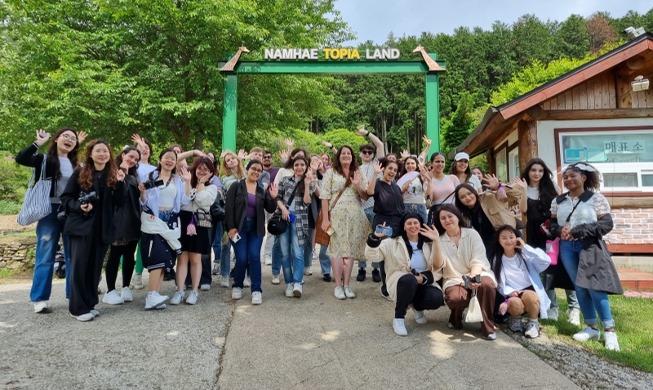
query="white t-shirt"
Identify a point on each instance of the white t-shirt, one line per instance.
(515, 272)
(417, 260)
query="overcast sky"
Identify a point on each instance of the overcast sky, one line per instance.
(375, 19)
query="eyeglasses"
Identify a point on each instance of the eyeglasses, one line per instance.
(367, 152)
(69, 137)
(256, 170)
(267, 156)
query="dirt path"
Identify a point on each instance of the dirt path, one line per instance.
(8, 223)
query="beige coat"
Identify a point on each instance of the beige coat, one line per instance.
(460, 260)
(397, 262)
(497, 211)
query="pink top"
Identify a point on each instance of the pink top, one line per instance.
(442, 190)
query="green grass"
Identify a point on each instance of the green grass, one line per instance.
(9, 207)
(634, 325)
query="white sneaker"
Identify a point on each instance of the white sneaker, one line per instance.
(516, 325)
(552, 314)
(205, 287)
(268, 260)
(247, 283)
(611, 343)
(236, 293)
(224, 282)
(257, 298)
(275, 279)
(84, 317)
(177, 298)
(126, 295)
(192, 298)
(289, 289)
(349, 293)
(587, 334)
(95, 313)
(532, 329)
(399, 326)
(41, 307)
(216, 269)
(420, 318)
(574, 316)
(297, 290)
(137, 282)
(339, 293)
(308, 272)
(112, 298)
(154, 300)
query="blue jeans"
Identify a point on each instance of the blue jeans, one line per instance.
(591, 301)
(308, 249)
(418, 209)
(292, 255)
(217, 251)
(325, 260)
(369, 213)
(248, 252)
(225, 259)
(48, 231)
(276, 256)
(572, 300)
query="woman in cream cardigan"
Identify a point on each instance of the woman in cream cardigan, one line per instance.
(413, 267)
(464, 256)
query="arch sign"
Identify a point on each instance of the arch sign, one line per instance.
(331, 61)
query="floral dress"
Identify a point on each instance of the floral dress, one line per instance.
(348, 220)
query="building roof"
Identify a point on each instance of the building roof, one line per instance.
(497, 118)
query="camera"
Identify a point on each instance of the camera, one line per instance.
(468, 281)
(151, 183)
(87, 197)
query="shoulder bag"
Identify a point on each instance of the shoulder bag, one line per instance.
(278, 225)
(36, 204)
(321, 237)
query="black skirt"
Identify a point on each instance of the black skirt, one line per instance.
(197, 243)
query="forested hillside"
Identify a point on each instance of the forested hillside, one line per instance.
(150, 67)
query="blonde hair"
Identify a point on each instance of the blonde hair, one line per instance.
(224, 171)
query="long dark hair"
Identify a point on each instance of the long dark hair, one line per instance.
(353, 167)
(496, 255)
(133, 171)
(545, 186)
(85, 179)
(164, 151)
(467, 212)
(289, 163)
(53, 156)
(453, 210)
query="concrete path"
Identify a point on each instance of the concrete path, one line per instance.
(315, 342)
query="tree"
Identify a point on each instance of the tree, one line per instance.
(573, 39)
(601, 32)
(151, 66)
(457, 128)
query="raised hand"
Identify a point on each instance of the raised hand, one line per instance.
(426, 140)
(185, 174)
(308, 178)
(521, 183)
(425, 172)
(405, 154)
(327, 144)
(284, 155)
(358, 177)
(430, 232)
(377, 169)
(138, 140)
(289, 143)
(42, 137)
(273, 189)
(81, 136)
(242, 154)
(491, 181)
(361, 131)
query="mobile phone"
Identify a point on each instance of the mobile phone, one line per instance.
(385, 230)
(236, 238)
(330, 231)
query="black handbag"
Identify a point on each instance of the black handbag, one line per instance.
(217, 208)
(203, 219)
(278, 225)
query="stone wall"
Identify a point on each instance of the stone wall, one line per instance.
(17, 254)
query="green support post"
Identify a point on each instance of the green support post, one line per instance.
(432, 111)
(230, 112)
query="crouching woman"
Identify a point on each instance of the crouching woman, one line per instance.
(517, 266)
(413, 265)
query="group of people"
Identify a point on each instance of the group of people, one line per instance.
(432, 238)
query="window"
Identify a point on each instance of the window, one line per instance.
(624, 158)
(502, 164)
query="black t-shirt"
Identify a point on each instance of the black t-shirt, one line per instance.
(388, 199)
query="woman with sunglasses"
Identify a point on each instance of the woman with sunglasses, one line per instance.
(581, 217)
(245, 208)
(60, 162)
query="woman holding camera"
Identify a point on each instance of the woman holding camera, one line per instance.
(60, 161)
(89, 200)
(128, 221)
(195, 219)
(163, 194)
(414, 266)
(245, 210)
(466, 269)
(294, 200)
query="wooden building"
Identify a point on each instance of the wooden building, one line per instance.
(592, 113)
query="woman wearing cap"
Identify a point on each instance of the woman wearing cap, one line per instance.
(581, 217)
(414, 266)
(461, 169)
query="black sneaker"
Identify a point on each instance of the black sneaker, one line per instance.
(361, 275)
(326, 277)
(376, 276)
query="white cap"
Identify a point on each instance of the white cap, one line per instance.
(461, 156)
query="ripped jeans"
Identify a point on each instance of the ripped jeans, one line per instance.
(48, 231)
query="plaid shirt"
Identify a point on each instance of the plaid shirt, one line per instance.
(286, 187)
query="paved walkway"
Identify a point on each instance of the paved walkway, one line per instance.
(315, 342)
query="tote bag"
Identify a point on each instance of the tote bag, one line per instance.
(36, 204)
(474, 310)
